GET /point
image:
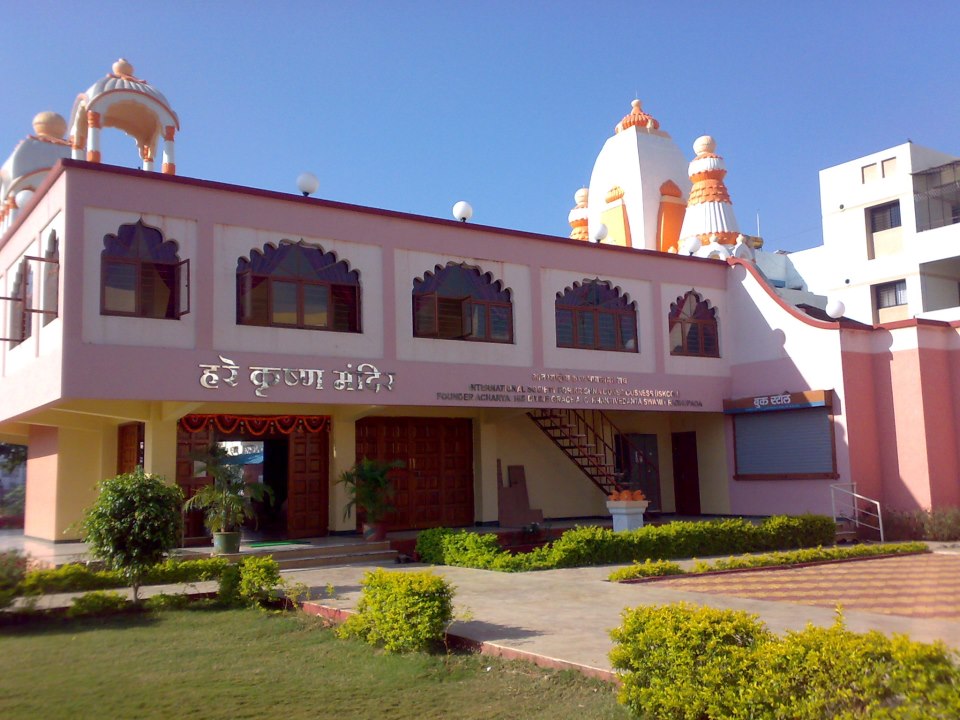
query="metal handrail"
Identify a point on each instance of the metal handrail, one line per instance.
(856, 511)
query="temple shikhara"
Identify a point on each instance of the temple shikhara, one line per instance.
(146, 315)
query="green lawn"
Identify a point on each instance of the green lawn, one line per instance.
(248, 664)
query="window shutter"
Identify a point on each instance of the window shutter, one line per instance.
(788, 443)
(182, 299)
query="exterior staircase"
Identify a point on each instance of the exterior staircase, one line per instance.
(589, 439)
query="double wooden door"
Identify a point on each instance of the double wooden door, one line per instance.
(307, 479)
(434, 488)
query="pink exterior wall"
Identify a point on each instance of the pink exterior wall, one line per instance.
(124, 358)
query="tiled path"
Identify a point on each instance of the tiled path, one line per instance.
(925, 586)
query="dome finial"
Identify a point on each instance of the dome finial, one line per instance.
(123, 68)
(49, 125)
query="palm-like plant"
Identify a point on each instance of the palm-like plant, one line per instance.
(228, 500)
(369, 486)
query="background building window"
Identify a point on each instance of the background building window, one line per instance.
(299, 286)
(693, 327)
(141, 275)
(891, 294)
(883, 217)
(596, 316)
(869, 173)
(457, 302)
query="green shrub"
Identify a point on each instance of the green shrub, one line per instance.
(833, 672)
(401, 611)
(69, 578)
(942, 524)
(13, 568)
(818, 554)
(98, 602)
(591, 545)
(228, 594)
(74, 577)
(174, 570)
(133, 523)
(430, 545)
(681, 661)
(648, 568)
(165, 601)
(259, 580)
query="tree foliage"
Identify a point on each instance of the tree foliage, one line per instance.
(134, 522)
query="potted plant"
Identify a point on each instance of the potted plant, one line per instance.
(227, 501)
(369, 487)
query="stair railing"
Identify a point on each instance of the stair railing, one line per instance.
(850, 505)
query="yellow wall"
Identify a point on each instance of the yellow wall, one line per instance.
(554, 483)
(711, 453)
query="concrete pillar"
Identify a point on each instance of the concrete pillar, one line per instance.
(160, 445)
(486, 506)
(93, 136)
(64, 466)
(169, 151)
(343, 455)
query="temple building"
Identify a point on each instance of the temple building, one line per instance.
(145, 315)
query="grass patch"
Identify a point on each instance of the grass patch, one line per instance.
(248, 664)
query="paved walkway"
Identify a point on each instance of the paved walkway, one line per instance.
(566, 614)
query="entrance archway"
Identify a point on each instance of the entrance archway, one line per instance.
(295, 446)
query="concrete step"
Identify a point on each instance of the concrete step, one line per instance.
(287, 554)
(371, 557)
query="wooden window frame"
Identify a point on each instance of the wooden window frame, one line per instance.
(180, 287)
(245, 283)
(431, 303)
(577, 342)
(687, 322)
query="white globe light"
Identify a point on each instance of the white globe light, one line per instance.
(462, 211)
(600, 234)
(307, 183)
(836, 309)
(690, 245)
(22, 198)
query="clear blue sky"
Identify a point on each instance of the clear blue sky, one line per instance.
(412, 106)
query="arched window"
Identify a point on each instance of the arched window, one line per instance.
(141, 275)
(595, 316)
(299, 286)
(457, 302)
(693, 327)
(20, 325)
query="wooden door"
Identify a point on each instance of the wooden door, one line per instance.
(434, 487)
(686, 473)
(129, 447)
(307, 485)
(637, 457)
(189, 446)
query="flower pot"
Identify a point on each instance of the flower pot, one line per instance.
(375, 532)
(627, 514)
(225, 543)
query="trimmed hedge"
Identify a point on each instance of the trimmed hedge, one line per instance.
(82, 578)
(585, 546)
(682, 661)
(401, 611)
(790, 557)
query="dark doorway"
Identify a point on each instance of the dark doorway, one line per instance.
(686, 473)
(639, 464)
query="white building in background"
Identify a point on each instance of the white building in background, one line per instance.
(891, 238)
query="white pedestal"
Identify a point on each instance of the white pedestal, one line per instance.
(627, 514)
